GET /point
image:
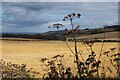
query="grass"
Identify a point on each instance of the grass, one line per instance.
(30, 52)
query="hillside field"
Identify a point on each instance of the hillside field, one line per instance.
(29, 52)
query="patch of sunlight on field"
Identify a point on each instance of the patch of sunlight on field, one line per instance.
(30, 52)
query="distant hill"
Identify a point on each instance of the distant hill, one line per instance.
(97, 33)
(88, 31)
(111, 31)
(100, 36)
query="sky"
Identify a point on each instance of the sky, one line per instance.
(60, 0)
(37, 16)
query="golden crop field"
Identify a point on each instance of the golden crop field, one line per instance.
(29, 52)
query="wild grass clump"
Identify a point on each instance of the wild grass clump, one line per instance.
(10, 70)
(55, 69)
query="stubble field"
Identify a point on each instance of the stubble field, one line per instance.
(29, 52)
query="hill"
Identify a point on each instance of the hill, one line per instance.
(111, 32)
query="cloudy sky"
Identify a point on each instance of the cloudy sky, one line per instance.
(37, 16)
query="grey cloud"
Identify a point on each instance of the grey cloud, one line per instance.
(29, 6)
(21, 14)
(31, 14)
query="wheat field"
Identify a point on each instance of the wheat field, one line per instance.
(29, 52)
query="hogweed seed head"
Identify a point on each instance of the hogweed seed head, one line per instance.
(71, 16)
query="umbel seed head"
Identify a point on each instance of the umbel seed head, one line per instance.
(78, 15)
(71, 16)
